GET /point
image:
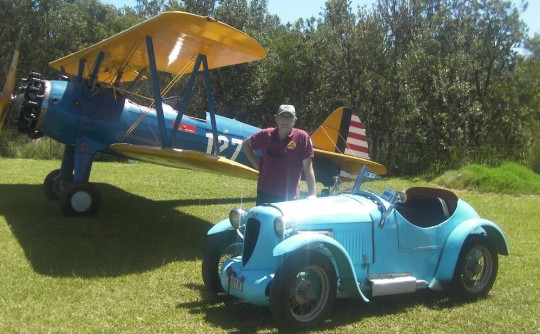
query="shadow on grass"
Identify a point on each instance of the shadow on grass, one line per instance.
(130, 234)
(236, 316)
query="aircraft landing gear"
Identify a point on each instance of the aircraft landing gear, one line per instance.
(53, 185)
(80, 198)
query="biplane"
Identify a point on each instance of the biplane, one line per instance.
(91, 108)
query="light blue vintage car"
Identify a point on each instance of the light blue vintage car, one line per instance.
(299, 256)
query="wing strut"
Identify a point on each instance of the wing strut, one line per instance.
(210, 97)
(165, 140)
(94, 75)
(185, 99)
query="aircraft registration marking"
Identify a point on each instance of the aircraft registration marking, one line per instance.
(224, 143)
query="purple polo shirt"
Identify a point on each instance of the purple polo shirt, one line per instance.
(280, 168)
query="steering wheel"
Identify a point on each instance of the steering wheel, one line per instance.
(373, 197)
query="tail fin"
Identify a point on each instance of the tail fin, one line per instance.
(342, 132)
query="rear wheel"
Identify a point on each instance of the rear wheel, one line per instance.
(303, 291)
(476, 268)
(52, 185)
(221, 247)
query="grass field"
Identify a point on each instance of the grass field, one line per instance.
(135, 267)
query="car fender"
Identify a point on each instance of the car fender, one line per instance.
(342, 261)
(454, 242)
(222, 226)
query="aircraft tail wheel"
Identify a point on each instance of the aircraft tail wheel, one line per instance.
(80, 198)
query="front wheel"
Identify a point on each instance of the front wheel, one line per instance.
(221, 247)
(476, 268)
(80, 198)
(303, 291)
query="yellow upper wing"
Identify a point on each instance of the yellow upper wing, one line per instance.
(186, 159)
(177, 37)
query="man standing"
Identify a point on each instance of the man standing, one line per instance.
(286, 153)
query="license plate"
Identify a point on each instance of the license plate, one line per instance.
(235, 283)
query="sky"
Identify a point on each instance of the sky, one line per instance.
(291, 10)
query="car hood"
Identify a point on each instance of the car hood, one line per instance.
(333, 209)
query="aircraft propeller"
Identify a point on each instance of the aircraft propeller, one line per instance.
(9, 85)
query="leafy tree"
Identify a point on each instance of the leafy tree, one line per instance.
(149, 8)
(12, 18)
(532, 45)
(524, 87)
(438, 83)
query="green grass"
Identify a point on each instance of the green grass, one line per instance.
(135, 267)
(508, 178)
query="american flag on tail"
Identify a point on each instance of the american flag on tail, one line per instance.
(341, 141)
(342, 132)
(356, 143)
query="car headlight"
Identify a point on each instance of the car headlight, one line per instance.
(236, 216)
(280, 226)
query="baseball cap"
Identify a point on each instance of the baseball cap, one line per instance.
(286, 108)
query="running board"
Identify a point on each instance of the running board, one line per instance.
(393, 284)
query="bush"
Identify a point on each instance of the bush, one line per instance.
(508, 178)
(533, 158)
(15, 145)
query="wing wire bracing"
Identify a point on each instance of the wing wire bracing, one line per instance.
(125, 62)
(152, 104)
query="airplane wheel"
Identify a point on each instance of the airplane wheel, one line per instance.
(80, 198)
(53, 185)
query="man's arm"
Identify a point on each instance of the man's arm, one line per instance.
(250, 153)
(309, 175)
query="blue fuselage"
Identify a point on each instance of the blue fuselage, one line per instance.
(70, 112)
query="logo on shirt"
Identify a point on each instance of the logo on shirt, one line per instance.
(291, 145)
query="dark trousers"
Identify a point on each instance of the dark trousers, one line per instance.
(263, 197)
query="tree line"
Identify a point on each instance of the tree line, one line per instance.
(437, 83)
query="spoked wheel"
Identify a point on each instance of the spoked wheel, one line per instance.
(80, 198)
(303, 291)
(53, 185)
(221, 247)
(476, 268)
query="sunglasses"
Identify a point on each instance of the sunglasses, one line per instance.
(274, 150)
(276, 154)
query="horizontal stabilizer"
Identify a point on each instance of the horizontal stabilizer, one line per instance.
(186, 159)
(349, 164)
